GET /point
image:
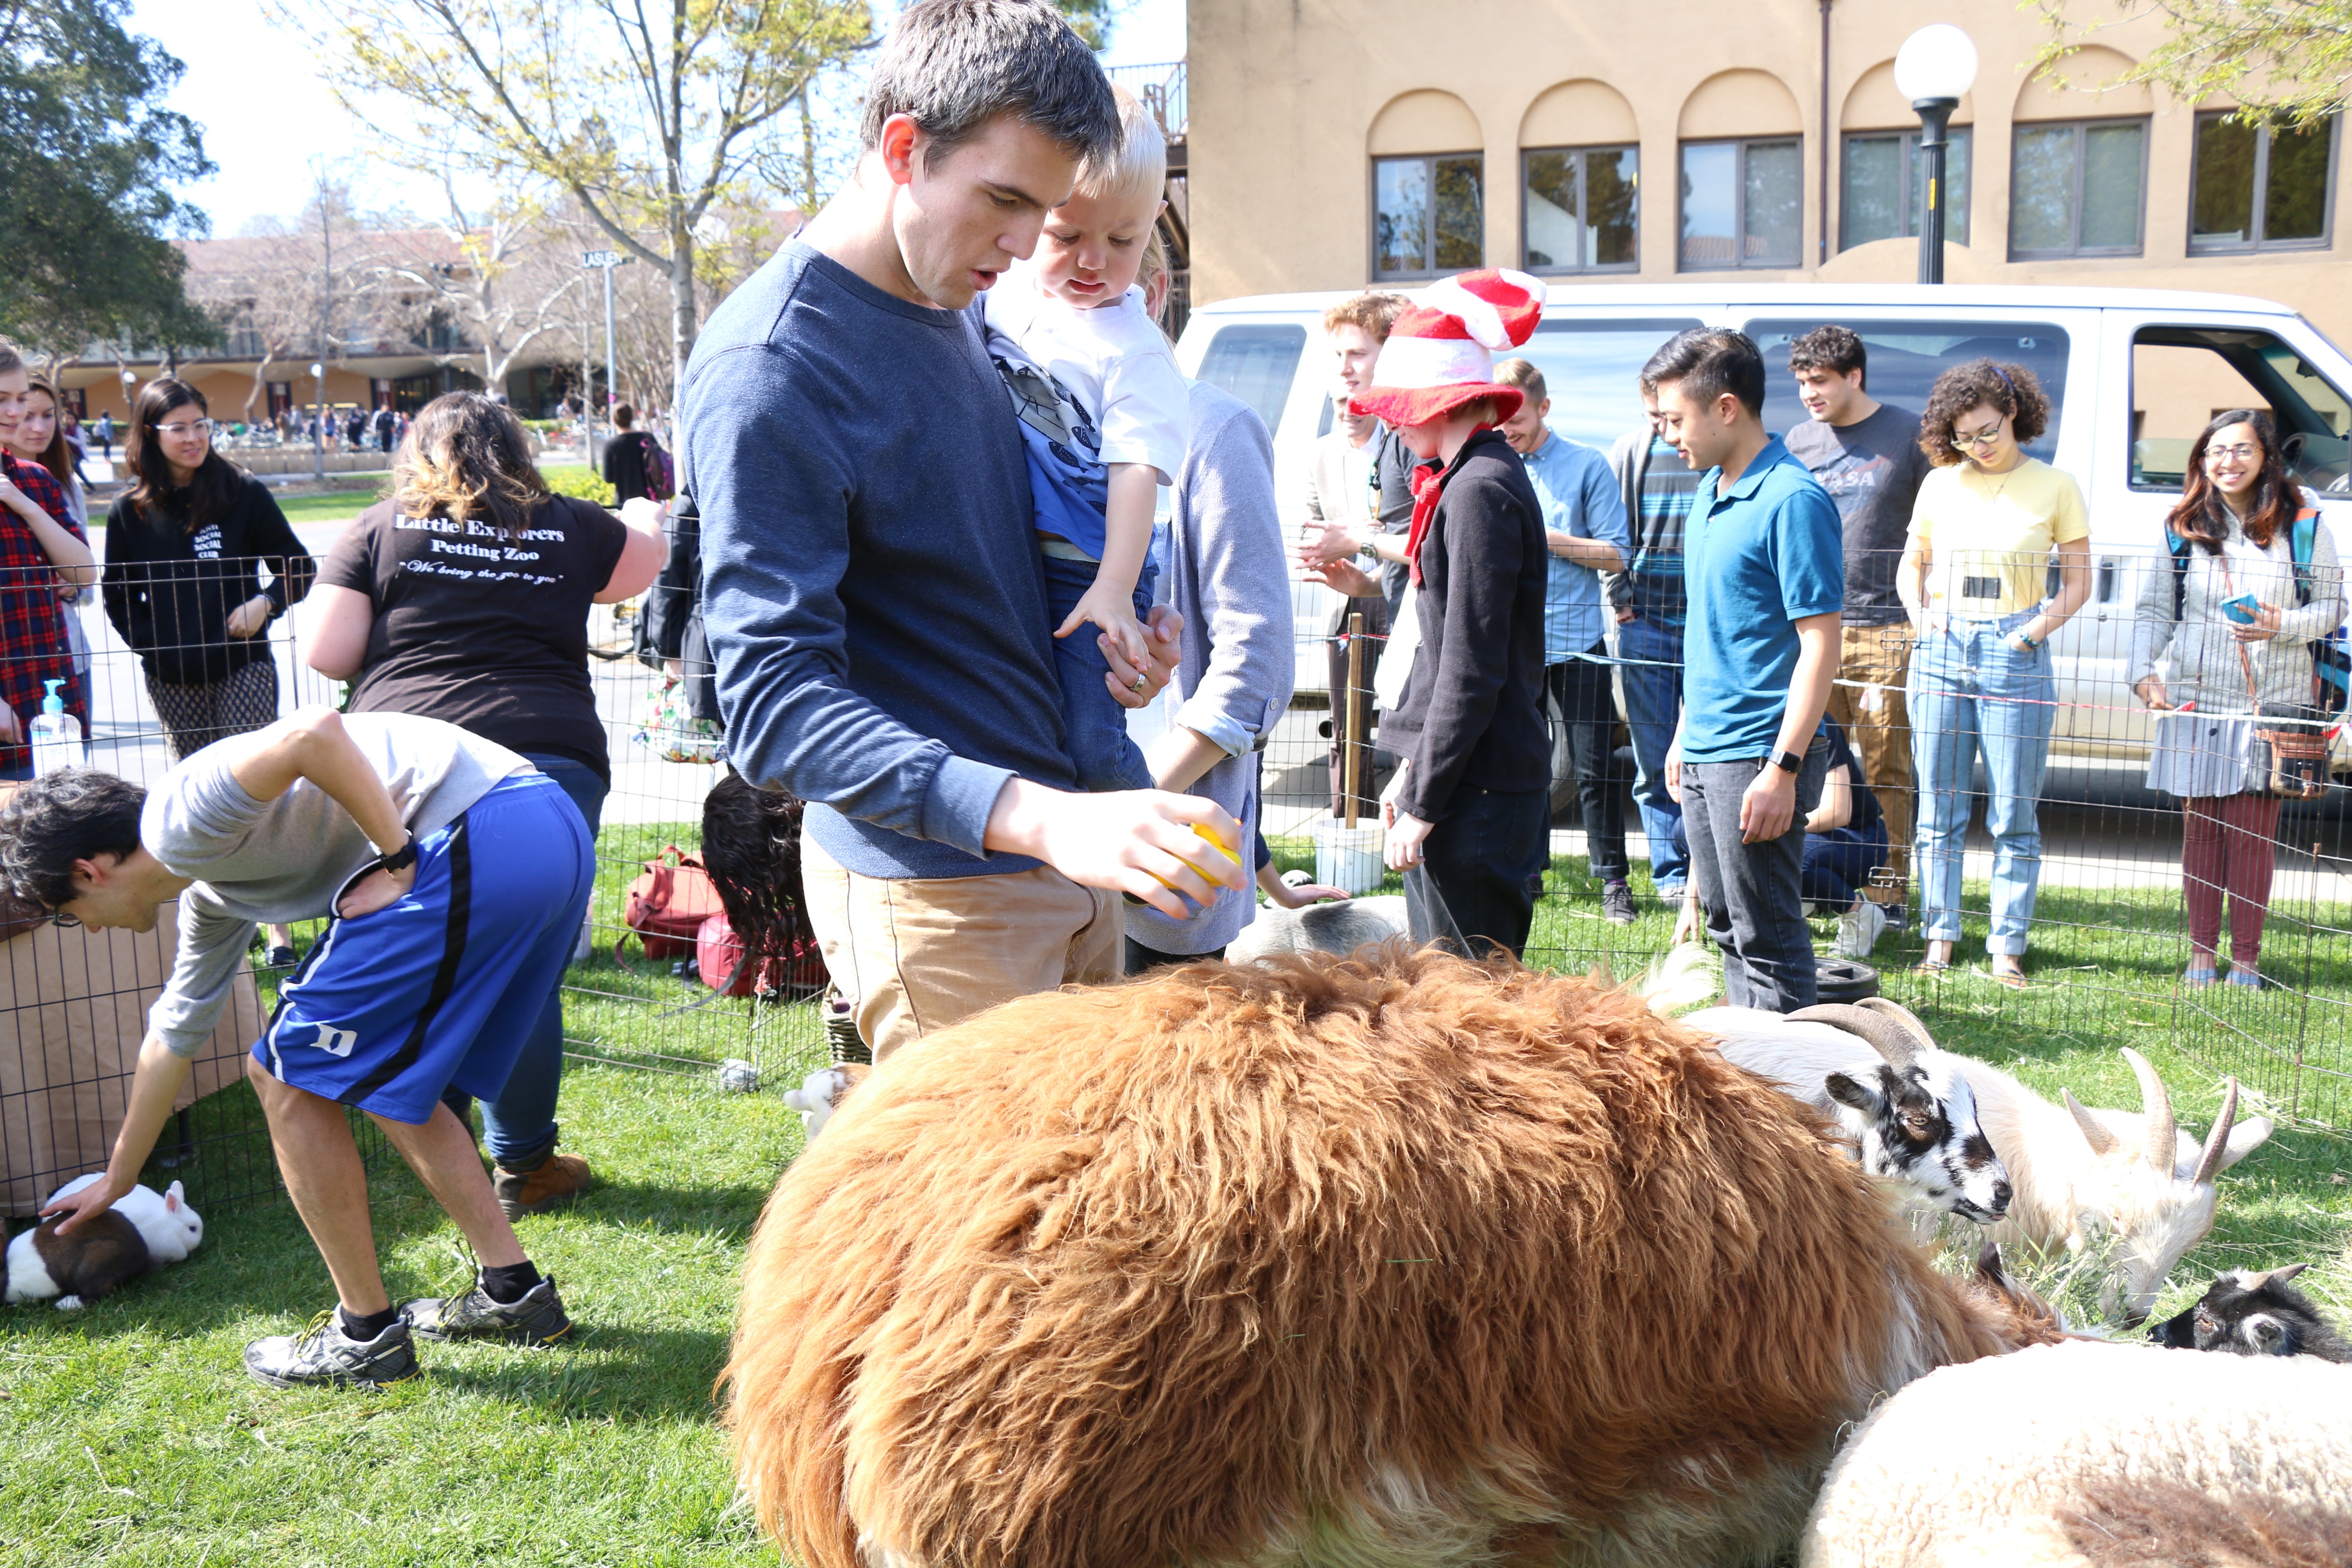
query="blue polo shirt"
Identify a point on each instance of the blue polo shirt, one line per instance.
(1578, 495)
(1757, 558)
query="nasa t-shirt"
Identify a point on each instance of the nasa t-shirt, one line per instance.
(485, 630)
(1872, 468)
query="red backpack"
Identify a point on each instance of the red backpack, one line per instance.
(667, 904)
(719, 960)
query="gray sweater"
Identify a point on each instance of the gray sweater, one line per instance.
(285, 859)
(1229, 577)
(2197, 657)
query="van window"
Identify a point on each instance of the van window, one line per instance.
(1257, 364)
(1588, 369)
(1906, 357)
(2183, 376)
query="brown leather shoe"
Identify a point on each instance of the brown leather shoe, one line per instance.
(563, 1178)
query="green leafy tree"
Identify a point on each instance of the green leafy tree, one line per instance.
(1090, 19)
(89, 158)
(652, 115)
(2288, 62)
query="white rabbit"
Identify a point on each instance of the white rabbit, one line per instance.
(170, 1227)
(144, 1230)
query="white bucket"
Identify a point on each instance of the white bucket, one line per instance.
(1348, 857)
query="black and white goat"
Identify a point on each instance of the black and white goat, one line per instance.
(2246, 1313)
(1873, 1067)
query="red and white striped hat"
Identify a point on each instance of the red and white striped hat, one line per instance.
(1441, 353)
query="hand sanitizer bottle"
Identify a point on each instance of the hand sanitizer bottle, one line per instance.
(57, 735)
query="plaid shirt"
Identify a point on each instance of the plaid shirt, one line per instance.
(33, 646)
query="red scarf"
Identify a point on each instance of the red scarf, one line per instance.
(1428, 489)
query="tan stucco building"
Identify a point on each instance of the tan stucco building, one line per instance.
(1336, 144)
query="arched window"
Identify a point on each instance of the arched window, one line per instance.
(1429, 195)
(1743, 174)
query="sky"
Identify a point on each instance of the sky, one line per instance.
(266, 114)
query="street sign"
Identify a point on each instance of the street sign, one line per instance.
(603, 258)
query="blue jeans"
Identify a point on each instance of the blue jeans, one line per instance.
(1094, 726)
(1969, 690)
(518, 1126)
(1837, 863)
(1652, 658)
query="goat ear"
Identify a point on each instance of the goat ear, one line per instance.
(2246, 1138)
(1852, 1091)
(2095, 1132)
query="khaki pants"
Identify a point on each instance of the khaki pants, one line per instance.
(1880, 656)
(919, 954)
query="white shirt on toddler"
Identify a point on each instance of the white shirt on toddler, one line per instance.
(1113, 359)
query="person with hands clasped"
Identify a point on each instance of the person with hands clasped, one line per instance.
(1464, 666)
(1764, 572)
(2222, 637)
(42, 549)
(1972, 577)
(456, 876)
(872, 589)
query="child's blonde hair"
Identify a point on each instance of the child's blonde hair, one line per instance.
(1141, 165)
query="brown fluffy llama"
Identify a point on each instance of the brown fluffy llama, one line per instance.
(1389, 1260)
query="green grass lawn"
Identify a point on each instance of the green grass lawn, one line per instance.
(133, 1437)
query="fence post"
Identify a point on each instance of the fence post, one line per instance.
(1351, 722)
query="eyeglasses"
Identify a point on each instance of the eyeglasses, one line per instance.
(2243, 454)
(190, 427)
(1977, 442)
(63, 921)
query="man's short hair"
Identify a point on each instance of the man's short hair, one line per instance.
(952, 66)
(1523, 374)
(624, 416)
(1708, 361)
(1139, 166)
(1371, 310)
(1667, 351)
(1832, 348)
(74, 814)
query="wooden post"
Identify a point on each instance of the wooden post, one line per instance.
(1351, 726)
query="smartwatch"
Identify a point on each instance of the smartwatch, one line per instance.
(1788, 762)
(400, 859)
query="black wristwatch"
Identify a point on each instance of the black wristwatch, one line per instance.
(400, 859)
(1788, 762)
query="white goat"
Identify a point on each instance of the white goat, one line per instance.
(2080, 1173)
(1902, 1100)
(2035, 1459)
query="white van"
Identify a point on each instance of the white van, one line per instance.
(2133, 375)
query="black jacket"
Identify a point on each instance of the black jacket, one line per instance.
(169, 593)
(1472, 715)
(628, 459)
(671, 624)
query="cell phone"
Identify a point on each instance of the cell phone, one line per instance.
(2241, 609)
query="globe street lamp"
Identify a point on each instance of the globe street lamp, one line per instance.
(1934, 68)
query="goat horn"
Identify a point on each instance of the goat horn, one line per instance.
(2279, 1276)
(2163, 1130)
(1890, 1039)
(1903, 1016)
(2216, 1141)
(2095, 1132)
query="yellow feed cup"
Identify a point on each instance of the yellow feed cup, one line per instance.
(1214, 842)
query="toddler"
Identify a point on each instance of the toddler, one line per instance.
(1103, 417)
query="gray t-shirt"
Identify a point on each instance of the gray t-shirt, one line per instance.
(285, 859)
(1872, 468)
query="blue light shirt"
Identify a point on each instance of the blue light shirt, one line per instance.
(1579, 495)
(1757, 558)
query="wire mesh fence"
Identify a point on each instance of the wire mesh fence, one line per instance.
(2133, 855)
(80, 996)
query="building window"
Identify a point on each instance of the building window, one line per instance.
(1429, 215)
(1578, 211)
(1886, 187)
(2255, 188)
(1743, 203)
(2078, 189)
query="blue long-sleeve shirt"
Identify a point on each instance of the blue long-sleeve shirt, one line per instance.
(871, 586)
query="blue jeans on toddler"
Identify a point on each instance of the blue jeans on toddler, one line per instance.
(1969, 690)
(1094, 726)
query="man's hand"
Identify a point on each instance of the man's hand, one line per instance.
(1135, 841)
(1689, 922)
(1320, 543)
(1163, 648)
(1767, 806)
(378, 889)
(249, 618)
(1408, 834)
(1347, 577)
(1675, 769)
(92, 1200)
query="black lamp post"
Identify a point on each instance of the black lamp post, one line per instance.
(1934, 68)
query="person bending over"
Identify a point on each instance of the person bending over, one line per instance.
(456, 876)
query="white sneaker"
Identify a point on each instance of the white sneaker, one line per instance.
(1859, 930)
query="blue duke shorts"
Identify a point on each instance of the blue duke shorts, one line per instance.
(390, 1008)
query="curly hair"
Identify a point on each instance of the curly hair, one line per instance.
(74, 814)
(1981, 383)
(1832, 348)
(752, 848)
(466, 456)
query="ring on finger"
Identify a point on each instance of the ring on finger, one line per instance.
(1137, 686)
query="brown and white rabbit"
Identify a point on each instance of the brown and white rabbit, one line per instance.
(145, 1230)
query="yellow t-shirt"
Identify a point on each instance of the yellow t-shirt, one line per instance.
(1988, 537)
